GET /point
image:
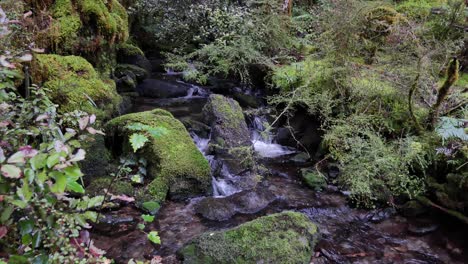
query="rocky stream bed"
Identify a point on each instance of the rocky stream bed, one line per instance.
(347, 234)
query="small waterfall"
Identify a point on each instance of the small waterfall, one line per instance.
(196, 90)
(263, 140)
(223, 185)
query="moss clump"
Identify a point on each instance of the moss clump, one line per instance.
(111, 17)
(287, 237)
(75, 22)
(118, 187)
(228, 111)
(74, 84)
(313, 179)
(98, 158)
(128, 49)
(418, 9)
(128, 69)
(176, 164)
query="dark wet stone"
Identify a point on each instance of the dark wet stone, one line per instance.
(382, 215)
(112, 224)
(413, 208)
(245, 202)
(422, 227)
(162, 89)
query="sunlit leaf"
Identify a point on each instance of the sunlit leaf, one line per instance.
(138, 141)
(154, 237)
(79, 156)
(148, 218)
(11, 171)
(75, 187)
(18, 157)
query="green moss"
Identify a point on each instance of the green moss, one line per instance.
(98, 158)
(128, 49)
(111, 16)
(313, 179)
(118, 187)
(174, 161)
(462, 80)
(74, 84)
(228, 111)
(75, 22)
(287, 237)
(418, 9)
(124, 69)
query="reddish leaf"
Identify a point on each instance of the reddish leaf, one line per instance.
(3, 231)
(28, 151)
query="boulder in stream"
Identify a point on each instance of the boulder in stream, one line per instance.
(162, 89)
(230, 138)
(174, 162)
(245, 202)
(287, 237)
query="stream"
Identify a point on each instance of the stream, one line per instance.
(348, 235)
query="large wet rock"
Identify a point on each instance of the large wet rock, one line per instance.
(287, 237)
(306, 129)
(174, 162)
(245, 202)
(162, 89)
(230, 138)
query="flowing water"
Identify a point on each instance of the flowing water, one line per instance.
(349, 235)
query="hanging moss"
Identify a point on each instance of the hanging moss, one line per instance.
(176, 164)
(74, 84)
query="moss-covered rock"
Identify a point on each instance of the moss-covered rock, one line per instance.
(175, 163)
(74, 84)
(74, 21)
(230, 134)
(98, 186)
(287, 237)
(126, 69)
(128, 53)
(313, 179)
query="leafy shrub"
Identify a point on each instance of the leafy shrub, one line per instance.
(372, 169)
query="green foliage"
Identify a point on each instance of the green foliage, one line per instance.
(233, 39)
(449, 127)
(375, 170)
(39, 165)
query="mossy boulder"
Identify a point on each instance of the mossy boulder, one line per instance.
(128, 69)
(287, 237)
(128, 53)
(177, 167)
(75, 85)
(230, 134)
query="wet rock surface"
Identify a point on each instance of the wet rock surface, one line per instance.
(155, 88)
(245, 202)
